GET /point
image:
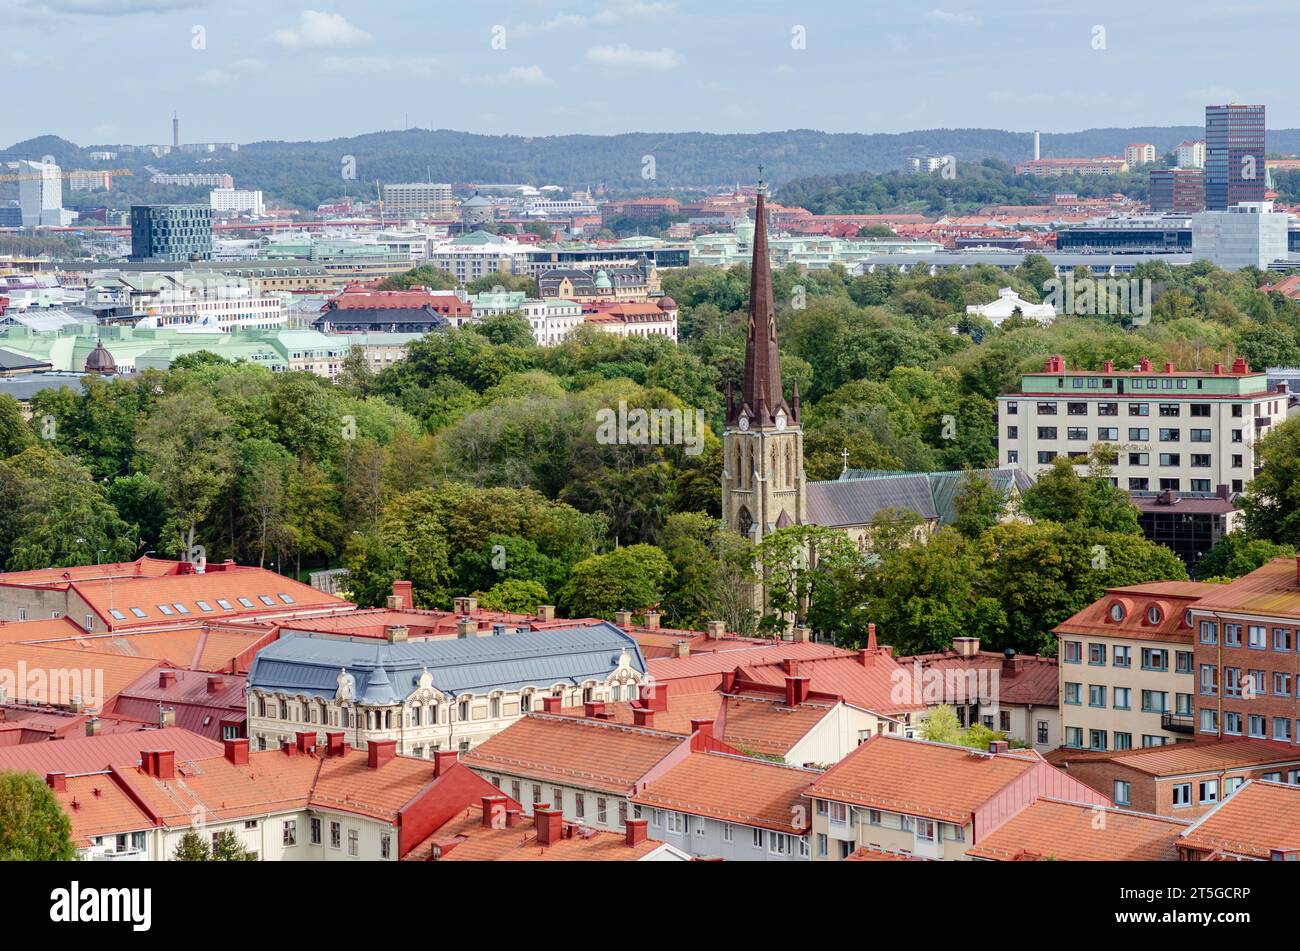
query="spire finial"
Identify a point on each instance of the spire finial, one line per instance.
(845, 454)
(760, 178)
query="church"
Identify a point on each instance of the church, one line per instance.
(763, 483)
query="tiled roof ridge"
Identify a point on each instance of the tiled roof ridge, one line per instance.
(1118, 810)
(602, 724)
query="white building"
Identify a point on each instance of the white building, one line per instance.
(1139, 153)
(552, 319)
(1190, 154)
(1249, 234)
(419, 200)
(1006, 305)
(236, 201)
(40, 194)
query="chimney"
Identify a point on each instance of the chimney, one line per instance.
(160, 764)
(237, 751)
(966, 646)
(728, 681)
(512, 818)
(998, 746)
(552, 704)
(380, 752)
(643, 717)
(1009, 662)
(871, 636)
(1169, 367)
(717, 630)
(654, 696)
(1108, 366)
(494, 816)
(701, 734)
(1144, 365)
(652, 620)
(306, 742)
(796, 691)
(215, 683)
(464, 605)
(681, 649)
(57, 781)
(1240, 365)
(550, 825)
(636, 832)
(866, 657)
(92, 726)
(1218, 369)
(405, 590)
(395, 633)
(443, 760)
(166, 678)
(333, 743)
(623, 619)
(167, 717)
(800, 634)
(790, 666)
(593, 710)
(489, 630)
(394, 603)
(466, 627)
(546, 612)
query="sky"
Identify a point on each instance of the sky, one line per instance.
(113, 71)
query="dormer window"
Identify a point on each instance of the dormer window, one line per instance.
(1117, 611)
(1154, 615)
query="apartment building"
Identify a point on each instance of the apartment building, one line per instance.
(552, 319)
(236, 201)
(1056, 167)
(1247, 656)
(1260, 823)
(1139, 153)
(1127, 668)
(419, 200)
(433, 695)
(929, 800)
(1185, 780)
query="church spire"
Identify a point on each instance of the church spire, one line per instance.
(761, 395)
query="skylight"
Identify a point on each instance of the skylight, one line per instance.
(180, 608)
(225, 605)
(266, 599)
(138, 612)
(204, 606)
(286, 599)
(245, 602)
(117, 614)
(166, 609)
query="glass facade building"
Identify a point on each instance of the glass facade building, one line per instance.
(1234, 155)
(171, 233)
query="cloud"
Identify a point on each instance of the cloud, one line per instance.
(231, 72)
(316, 30)
(112, 7)
(619, 12)
(623, 56)
(948, 16)
(518, 76)
(415, 67)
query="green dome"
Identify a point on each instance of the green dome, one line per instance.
(602, 280)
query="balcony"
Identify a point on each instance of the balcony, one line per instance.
(1177, 724)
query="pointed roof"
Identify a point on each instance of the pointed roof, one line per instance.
(762, 395)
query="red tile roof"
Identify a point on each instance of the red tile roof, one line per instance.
(197, 706)
(703, 672)
(866, 854)
(466, 839)
(1272, 590)
(1079, 832)
(1200, 756)
(871, 685)
(733, 789)
(1171, 598)
(90, 754)
(1256, 819)
(52, 672)
(97, 806)
(140, 568)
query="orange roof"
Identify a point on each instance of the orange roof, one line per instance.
(764, 725)
(1079, 832)
(866, 854)
(465, 838)
(97, 806)
(592, 753)
(682, 709)
(735, 789)
(710, 667)
(872, 685)
(1176, 759)
(92, 754)
(1272, 590)
(23, 632)
(140, 568)
(920, 778)
(349, 784)
(200, 647)
(1251, 822)
(1170, 598)
(56, 676)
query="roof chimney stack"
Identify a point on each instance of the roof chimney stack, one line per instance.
(405, 591)
(681, 649)
(623, 619)
(636, 832)
(236, 751)
(652, 620)
(57, 781)
(380, 752)
(546, 612)
(717, 630)
(550, 825)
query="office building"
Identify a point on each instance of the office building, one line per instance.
(236, 201)
(419, 200)
(1179, 191)
(171, 232)
(40, 194)
(1246, 234)
(1234, 155)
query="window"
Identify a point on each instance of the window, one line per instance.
(315, 830)
(1077, 409)
(1013, 432)
(729, 833)
(602, 809)
(1072, 692)
(675, 822)
(204, 606)
(1107, 409)
(1155, 659)
(1209, 680)
(1096, 695)
(245, 602)
(1257, 637)
(265, 599)
(1122, 656)
(1117, 611)
(166, 609)
(1231, 635)
(1074, 737)
(1201, 485)
(1045, 458)
(1209, 633)
(117, 615)
(136, 611)
(1281, 639)
(925, 830)
(1169, 459)
(224, 604)
(757, 838)
(1013, 408)
(1042, 735)
(1182, 795)
(1121, 795)
(1169, 435)
(1155, 701)
(1231, 723)
(1139, 459)
(1139, 485)
(1139, 409)
(580, 805)
(1077, 433)
(1282, 729)
(180, 608)
(1073, 652)
(1108, 433)
(1046, 432)
(1096, 739)
(385, 845)
(1046, 409)
(1123, 697)
(778, 843)
(1123, 741)
(1169, 409)
(1183, 662)
(336, 835)
(290, 834)
(1200, 435)
(1208, 790)
(353, 843)
(1209, 720)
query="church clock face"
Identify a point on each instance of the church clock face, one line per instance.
(780, 419)
(743, 423)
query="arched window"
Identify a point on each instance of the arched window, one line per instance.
(744, 521)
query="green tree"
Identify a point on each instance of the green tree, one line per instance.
(33, 826)
(631, 578)
(513, 595)
(192, 848)
(1088, 501)
(1238, 554)
(15, 434)
(942, 726)
(980, 505)
(1272, 500)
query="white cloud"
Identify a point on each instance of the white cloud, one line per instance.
(619, 12)
(948, 16)
(317, 30)
(623, 56)
(231, 72)
(518, 76)
(414, 67)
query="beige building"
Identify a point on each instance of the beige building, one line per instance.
(419, 200)
(1127, 668)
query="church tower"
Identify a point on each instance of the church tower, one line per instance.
(763, 485)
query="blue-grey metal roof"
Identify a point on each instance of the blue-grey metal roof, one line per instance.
(387, 673)
(858, 501)
(945, 487)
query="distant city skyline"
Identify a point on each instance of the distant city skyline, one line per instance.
(246, 71)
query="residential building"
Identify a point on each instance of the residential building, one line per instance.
(929, 800)
(236, 201)
(1052, 830)
(1139, 153)
(1056, 167)
(1179, 191)
(627, 284)
(552, 319)
(635, 319)
(194, 180)
(435, 694)
(1168, 430)
(1190, 154)
(1246, 234)
(171, 232)
(1247, 655)
(1234, 155)
(419, 200)
(1259, 823)
(415, 310)
(1184, 780)
(1127, 669)
(90, 181)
